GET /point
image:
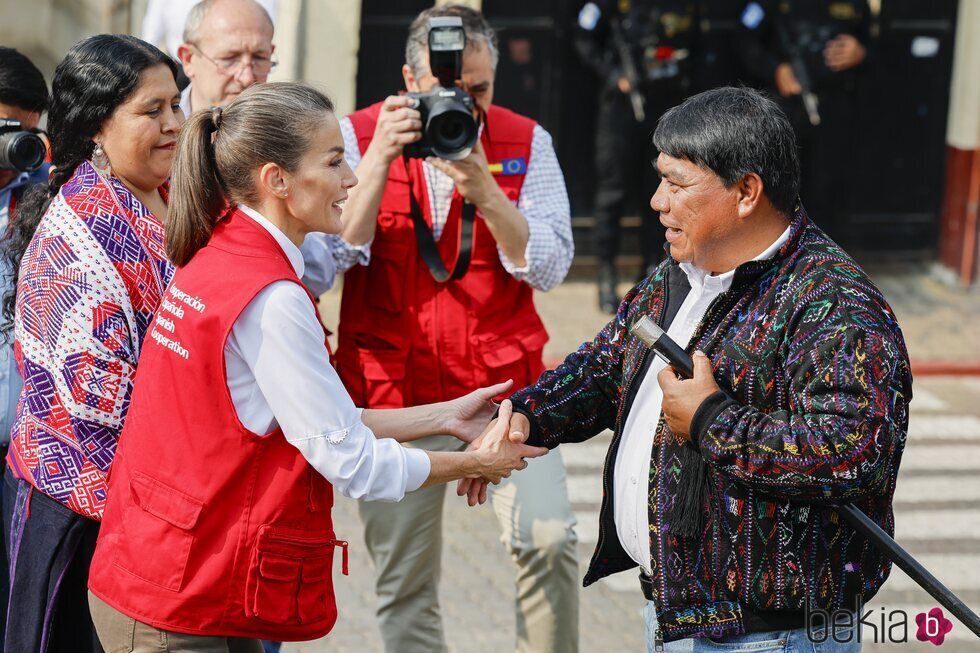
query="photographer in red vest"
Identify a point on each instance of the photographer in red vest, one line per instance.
(217, 528)
(441, 303)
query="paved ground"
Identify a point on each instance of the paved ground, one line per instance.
(937, 505)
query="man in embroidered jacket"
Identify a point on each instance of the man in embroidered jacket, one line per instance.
(722, 488)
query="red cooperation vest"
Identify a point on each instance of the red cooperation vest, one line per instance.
(209, 528)
(405, 339)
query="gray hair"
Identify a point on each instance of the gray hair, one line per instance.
(218, 152)
(192, 24)
(477, 30)
(733, 132)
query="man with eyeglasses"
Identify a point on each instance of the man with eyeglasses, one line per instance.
(227, 47)
(163, 22)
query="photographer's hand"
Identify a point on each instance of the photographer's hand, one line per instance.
(472, 177)
(476, 184)
(397, 126)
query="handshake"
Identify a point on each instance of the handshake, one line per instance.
(495, 449)
(500, 449)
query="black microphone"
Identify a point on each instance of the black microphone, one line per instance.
(663, 346)
(670, 352)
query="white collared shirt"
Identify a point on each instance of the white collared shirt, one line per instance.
(185, 101)
(279, 373)
(631, 471)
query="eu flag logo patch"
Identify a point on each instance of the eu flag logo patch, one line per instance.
(516, 166)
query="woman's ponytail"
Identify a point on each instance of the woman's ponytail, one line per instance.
(197, 195)
(219, 152)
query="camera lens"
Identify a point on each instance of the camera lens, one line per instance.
(451, 130)
(22, 151)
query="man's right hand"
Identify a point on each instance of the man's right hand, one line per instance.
(500, 453)
(786, 82)
(517, 427)
(398, 125)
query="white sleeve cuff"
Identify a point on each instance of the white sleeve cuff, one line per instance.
(417, 468)
(517, 272)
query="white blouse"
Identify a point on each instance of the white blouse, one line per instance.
(279, 373)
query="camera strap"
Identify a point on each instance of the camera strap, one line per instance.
(427, 243)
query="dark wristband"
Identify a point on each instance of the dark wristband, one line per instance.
(705, 415)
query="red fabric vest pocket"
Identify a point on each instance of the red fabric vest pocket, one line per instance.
(276, 588)
(384, 377)
(516, 357)
(162, 515)
(387, 273)
(290, 578)
(533, 340)
(313, 606)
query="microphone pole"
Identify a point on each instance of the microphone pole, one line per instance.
(671, 353)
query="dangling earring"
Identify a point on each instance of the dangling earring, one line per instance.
(100, 160)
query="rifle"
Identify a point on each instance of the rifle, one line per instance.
(629, 70)
(810, 102)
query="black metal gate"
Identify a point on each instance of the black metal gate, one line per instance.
(904, 100)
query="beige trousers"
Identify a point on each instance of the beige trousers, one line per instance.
(121, 634)
(537, 524)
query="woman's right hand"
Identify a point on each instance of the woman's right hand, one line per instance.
(500, 454)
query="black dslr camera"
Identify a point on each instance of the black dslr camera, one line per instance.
(19, 149)
(449, 130)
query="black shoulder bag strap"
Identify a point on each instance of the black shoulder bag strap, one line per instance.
(427, 243)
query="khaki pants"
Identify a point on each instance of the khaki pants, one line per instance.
(121, 634)
(537, 524)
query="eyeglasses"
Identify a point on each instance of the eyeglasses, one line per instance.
(231, 65)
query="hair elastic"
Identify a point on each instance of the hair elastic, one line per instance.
(216, 117)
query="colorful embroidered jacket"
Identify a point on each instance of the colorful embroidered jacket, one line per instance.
(90, 280)
(819, 384)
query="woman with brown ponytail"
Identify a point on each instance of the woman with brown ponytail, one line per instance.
(217, 531)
